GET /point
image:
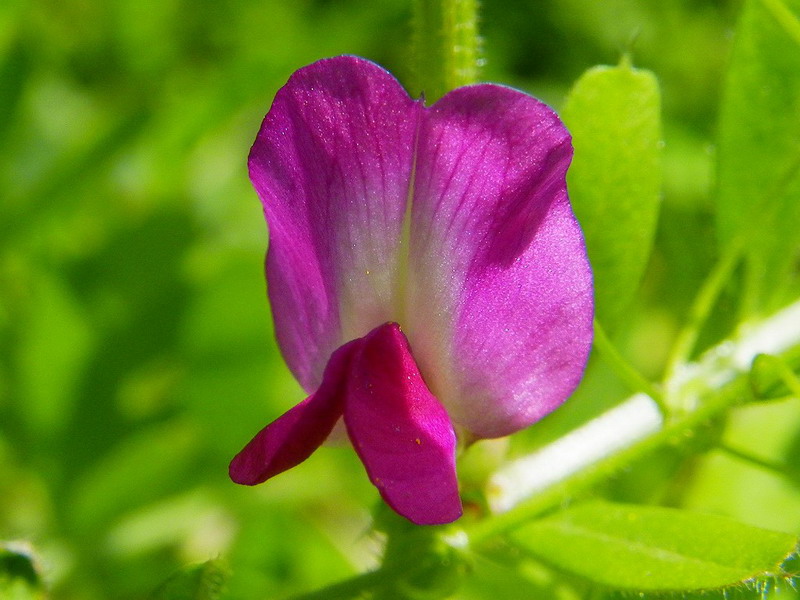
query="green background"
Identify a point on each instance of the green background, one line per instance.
(136, 350)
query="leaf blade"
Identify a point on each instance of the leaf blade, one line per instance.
(614, 182)
(648, 548)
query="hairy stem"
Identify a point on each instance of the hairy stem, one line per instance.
(446, 45)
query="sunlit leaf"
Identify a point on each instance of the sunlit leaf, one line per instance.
(613, 114)
(649, 548)
(759, 149)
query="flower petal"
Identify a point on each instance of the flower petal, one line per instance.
(401, 431)
(500, 283)
(332, 165)
(293, 437)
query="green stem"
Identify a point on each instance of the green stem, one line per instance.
(634, 380)
(583, 480)
(446, 45)
(711, 386)
(701, 309)
(434, 568)
(768, 465)
(349, 588)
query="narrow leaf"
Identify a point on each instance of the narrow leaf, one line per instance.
(648, 548)
(759, 150)
(613, 114)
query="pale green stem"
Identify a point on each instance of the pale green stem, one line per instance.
(607, 466)
(634, 380)
(446, 46)
(581, 449)
(708, 388)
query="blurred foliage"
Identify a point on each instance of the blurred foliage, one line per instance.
(136, 352)
(205, 581)
(652, 548)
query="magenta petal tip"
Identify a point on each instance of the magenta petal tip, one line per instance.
(293, 437)
(400, 430)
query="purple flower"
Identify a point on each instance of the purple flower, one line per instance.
(427, 276)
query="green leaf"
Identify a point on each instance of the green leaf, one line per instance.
(759, 150)
(205, 581)
(649, 548)
(19, 577)
(613, 114)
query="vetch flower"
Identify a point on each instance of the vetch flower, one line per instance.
(426, 273)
